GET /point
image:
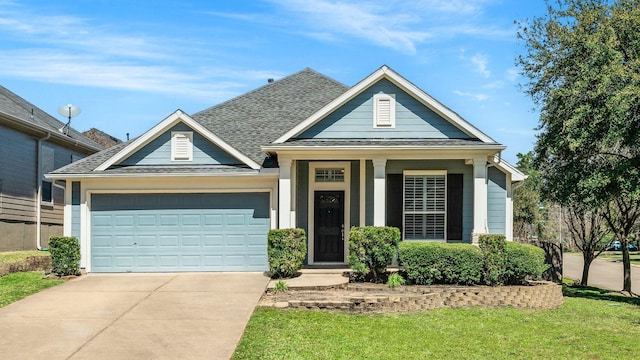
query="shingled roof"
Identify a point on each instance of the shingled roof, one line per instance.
(28, 114)
(259, 117)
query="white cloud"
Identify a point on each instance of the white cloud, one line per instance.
(513, 74)
(481, 61)
(493, 85)
(475, 96)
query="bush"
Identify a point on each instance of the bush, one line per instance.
(493, 250)
(426, 263)
(372, 249)
(286, 250)
(523, 262)
(65, 255)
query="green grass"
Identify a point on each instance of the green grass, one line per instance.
(634, 256)
(16, 286)
(13, 257)
(590, 325)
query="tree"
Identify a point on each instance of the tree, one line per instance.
(587, 228)
(526, 198)
(583, 69)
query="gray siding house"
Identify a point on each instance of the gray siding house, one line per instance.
(32, 144)
(200, 192)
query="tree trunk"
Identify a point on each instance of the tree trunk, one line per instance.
(626, 263)
(587, 260)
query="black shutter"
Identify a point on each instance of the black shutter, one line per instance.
(394, 200)
(454, 206)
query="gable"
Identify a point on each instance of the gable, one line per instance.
(158, 151)
(355, 118)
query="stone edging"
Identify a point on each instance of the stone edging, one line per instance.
(32, 263)
(540, 295)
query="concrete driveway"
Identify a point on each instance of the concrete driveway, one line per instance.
(133, 316)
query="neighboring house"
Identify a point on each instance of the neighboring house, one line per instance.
(102, 138)
(32, 144)
(200, 192)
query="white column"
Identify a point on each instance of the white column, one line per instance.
(379, 191)
(479, 197)
(284, 193)
(363, 192)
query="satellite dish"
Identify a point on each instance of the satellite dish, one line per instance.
(68, 111)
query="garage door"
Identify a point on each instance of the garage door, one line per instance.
(179, 232)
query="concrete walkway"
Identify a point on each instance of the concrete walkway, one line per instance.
(133, 316)
(603, 273)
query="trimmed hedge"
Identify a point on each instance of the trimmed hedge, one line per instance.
(495, 262)
(65, 255)
(426, 263)
(523, 262)
(372, 249)
(286, 251)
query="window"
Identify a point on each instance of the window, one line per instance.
(425, 205)
(182, 146)
(329, 175)
(47, 158)
(384, 111)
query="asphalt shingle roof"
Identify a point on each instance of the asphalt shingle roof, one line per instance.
(261, 116)
(14, 105)
(388, 142)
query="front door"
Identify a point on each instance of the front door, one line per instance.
(329, 226)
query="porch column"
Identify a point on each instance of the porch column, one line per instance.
(379, 191)
(479, 197)
(284, 193)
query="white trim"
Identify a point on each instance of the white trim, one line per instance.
(378, 121)
(67, 223)
(338, 186)
(363, 192)
(379, 192)
(516, 174)
(404, 84)
(177, 137)
(171, 120)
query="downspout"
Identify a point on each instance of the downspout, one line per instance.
(39, 192)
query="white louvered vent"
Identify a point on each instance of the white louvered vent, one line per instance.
(425, 208)
(384, 111)
(182, 146)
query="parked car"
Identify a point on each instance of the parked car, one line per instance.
(617, 246)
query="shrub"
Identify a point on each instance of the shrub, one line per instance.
(427, 263)
(395, 280)
(65, 255)
(372, 249)
(280, 286)
(523, 262)
(493, 251)
(286, 250)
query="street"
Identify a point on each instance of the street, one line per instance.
(603, 273)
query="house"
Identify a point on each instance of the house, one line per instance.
(33, 143)
(100, 137)
(200, 192)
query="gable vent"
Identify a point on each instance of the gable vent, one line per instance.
(182, 146)
(384, 111)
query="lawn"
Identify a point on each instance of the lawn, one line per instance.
(19, 256)
(590, 325)
(16, 286)
(633, 255)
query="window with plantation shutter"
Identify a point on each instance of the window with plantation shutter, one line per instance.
(425, 205)
(384, 111)
(182, 146)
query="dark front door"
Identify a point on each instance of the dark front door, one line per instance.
(329, 226)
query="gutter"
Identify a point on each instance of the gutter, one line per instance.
(39, 176)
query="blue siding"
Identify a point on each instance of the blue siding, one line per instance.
(179, 232)
(158, 151)
(355, 119)
(496, 201)
(451, 166)
(75, 209)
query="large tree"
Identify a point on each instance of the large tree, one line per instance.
(587, 228)
(583, 69)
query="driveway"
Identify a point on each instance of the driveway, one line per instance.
(133, 316)
(603, 273)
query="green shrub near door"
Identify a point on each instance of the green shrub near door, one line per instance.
(65, 255)
(286, 251)
(426, 263)
(372, 249)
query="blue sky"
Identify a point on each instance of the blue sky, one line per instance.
(129, 64)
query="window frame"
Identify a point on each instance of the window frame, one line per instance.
(424, 173)
(377, 99)
(175, 155)
(47, 165)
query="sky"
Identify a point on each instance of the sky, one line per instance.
(129, 64)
